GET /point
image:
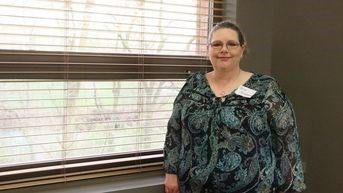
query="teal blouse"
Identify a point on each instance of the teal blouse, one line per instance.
(238, 144)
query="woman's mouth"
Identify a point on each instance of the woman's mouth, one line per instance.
(224, 58)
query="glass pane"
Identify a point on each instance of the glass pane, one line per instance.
(121, 26)
(60, 120)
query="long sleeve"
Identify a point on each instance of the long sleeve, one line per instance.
(288, 175)
(173, 139)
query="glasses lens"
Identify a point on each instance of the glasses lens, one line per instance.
(219, 45)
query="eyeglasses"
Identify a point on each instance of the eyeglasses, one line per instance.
(230, 45)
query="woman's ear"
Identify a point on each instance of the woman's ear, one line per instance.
(207, 49)
(245, 49)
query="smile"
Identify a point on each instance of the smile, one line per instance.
(224, 58)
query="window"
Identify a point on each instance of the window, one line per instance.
(87, 86)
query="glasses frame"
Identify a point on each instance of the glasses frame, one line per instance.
(230, 45)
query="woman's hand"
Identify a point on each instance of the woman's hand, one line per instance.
(171, 184)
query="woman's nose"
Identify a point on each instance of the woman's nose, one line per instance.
(224, 48)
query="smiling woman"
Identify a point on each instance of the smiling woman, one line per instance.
(232, 130)
(225, 51)
(226, 47)
(87, 86)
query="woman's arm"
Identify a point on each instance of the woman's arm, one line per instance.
(173, 140)
(289, 175)
(172, 149)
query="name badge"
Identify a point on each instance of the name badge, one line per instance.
(245, 91)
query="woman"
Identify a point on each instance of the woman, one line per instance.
(231, 130)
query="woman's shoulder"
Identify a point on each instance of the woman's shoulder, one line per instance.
(196, 78)
(192, 80)
(260, 81)
(266, 84)
(264, 78)
(195, 75)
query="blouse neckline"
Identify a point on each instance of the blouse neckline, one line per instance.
(223, 98)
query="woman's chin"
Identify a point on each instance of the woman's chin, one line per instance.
(224, 65)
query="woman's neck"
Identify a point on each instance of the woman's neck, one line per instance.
(225, 77)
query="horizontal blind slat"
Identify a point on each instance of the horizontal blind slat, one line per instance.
(86, 89)
(86, 106)
(87, 131)
(73, 149)
(80, 98)
(104, 22)
(108, 14)
(87, 123)
(89, 114)
(100, 64)
(83, 140)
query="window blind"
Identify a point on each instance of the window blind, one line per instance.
(87, 86)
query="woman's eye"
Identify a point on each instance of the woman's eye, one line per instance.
(217, 45)
(232, 44)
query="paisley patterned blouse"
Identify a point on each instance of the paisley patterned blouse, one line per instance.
(235, 145)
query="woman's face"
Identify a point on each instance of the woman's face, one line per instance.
(224, 50)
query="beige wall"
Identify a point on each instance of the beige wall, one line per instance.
(306, 52)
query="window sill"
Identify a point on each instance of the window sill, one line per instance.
(140, 182)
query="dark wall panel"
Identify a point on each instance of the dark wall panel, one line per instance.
(307, 58)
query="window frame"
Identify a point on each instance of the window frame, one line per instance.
(49, 65)
(37, 170)
(15, 64)
(176, 67)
